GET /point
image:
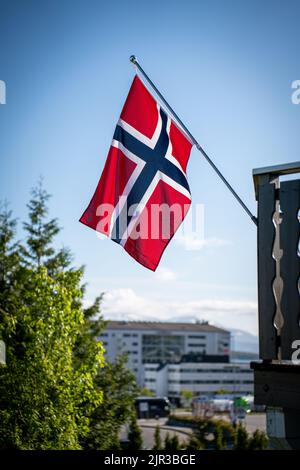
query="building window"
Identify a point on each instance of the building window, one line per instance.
(198, 382)
(162, 348)
(196, 345)
(196, 337)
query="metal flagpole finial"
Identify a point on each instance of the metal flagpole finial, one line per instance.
(133, 59)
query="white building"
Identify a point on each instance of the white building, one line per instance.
(202, 378)
(163, 342)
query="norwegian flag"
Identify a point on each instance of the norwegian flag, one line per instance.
(143, 194)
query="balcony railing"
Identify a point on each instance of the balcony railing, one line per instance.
(278, 260)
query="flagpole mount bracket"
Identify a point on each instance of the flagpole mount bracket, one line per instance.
(133, 59)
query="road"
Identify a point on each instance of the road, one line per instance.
(253, 421)
(256, 421)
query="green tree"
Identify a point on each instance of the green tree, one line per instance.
(241, 438)
(218, 437)
(41, 393)
(116, 382)
(202, 430)
(41, 232)
(175, 444)
(134, 434)
(157, 439)
(222, 391)
(194, 443)
(172, 443)
(38, 279)
(146, 392)
(223, 434)
(9, 250)
(119, 391)
(45, 400)
(258, 441)
(167, 442)
(187, 396)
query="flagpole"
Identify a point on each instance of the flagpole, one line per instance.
(133, 59)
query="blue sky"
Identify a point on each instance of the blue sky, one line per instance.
(225, 66)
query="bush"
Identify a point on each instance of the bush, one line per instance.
(157, 439)
(134, 434)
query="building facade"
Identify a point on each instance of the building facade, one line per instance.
(201, 378)
(169, 358)
(162, 342)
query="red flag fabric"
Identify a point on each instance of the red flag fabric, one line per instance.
(143, 194)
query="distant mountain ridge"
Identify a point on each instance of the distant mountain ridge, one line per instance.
(243, 341)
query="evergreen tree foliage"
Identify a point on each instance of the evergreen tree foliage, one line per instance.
(134, 434)
(172, 443)
(218, 438)
(55, 391)
(194, 443)
(241, 438)
(258, 441)
(39, 249)
(157, 439)
(41, 392)
(119, 392)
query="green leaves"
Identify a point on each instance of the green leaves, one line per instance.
(46, 398)
(119, 393)
(40, 231)
(55, 391)
(134, 434)
(41, 391)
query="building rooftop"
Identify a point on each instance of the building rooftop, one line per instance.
(164, 326)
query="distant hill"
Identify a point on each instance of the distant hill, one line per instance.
(243, 341)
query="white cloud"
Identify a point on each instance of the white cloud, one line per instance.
(192, 242)
(126, 304)
(165, 274)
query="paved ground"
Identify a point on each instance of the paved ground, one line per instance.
(256, 421)
(148, 430)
